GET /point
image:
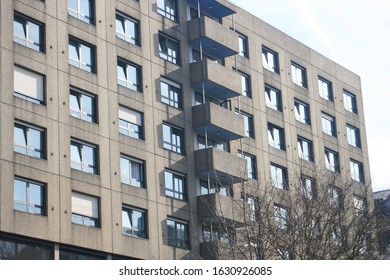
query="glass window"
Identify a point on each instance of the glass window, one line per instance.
(357, 171)
(68, 254)
(177, 233)
(279, 177)
(270, 60)
(28, 33)
(82, 55)
(302, 112)
(134, 221)
(276, 137)
(169, 49)
(29, 196)
(171, 93)
(29, 85)
(84, 156)
(248, 123)
(245, 85)
(350, 102)
(298, 75)
(167, 8)
(353, 136)
(29, 140)
(82, 105)
(21, 250)
(82, 9)
(127, 29)
(175, 185)
(325, 89)
(332, 160)
(223, 146)
(305, 149)
(130, 122)
(173, 138)
(132, 171)
(359, 204)
(308, 187)
(215, 187)
(328, 124)
(250, 164)
(273, 98)
(252, 204)
(85, 209)
(243, 49)
(280, 213)
(335, 197)
(129, 75)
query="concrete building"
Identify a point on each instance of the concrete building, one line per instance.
(116, 117)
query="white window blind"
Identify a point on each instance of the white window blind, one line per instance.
(130, 115)
(28, 83)
(85, 205)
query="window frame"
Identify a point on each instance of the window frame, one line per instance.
(350, 102)
(80, 96)
(25, 21)
(125, 66)
(169, 48)
(246, 88)
(251, 164)
(281, 183)
(356, 170)
(79, 145)
(325, 89)
(305, 144)
(353, 139)
(273, 98)
(281, 216)
(306, 111)
(333, 166)
(173, 190)
(299, 79)
(328, 124)
(40, 85)
(166, 11)
(127, 127)
(84, 18)
(80, 63)
(272, 141)
(175, 241)
(37, 209)
(133, 230)
(86, 220)
(267, 53)
(173, 96)
(309, 191)
(133, 163)
(243, 45)
(176, 134)
(123, 19)
(248, 123)
(25, 127)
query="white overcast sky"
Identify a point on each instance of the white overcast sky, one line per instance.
(355, 34)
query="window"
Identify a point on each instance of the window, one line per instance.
(171, 93)
(302, 112)
(19, 249)
(129, 75)
(215, 187)
(298, 75)
(169, 49)
(328, 124)
(29, 140)
(308, 187)
(223, 146)
(132, 171)
(29, 196)
(82, 9)
(127, 29)
(243, 49)
(28, 85)
(353, 136)
(253, 205)
(283, 254)
(250, 164)
(83, 105)
(279, 177)
(276, 137)
(335, 197)
(175, 185)
(85, 209)
(84, 156)
(357, 171)
(280, 213)
(211, 234)
(82, 55)
(167, 8)
(248, 123)
(273, 98)
(134, 221)
(173, 138)
(28, 33)
(332, 160)
(350, 102)
(325, 89)
(69, 254)
(270, 60)
(305, 149)
(245, 85)
(177, 233)
(130, 122)
(359, 205)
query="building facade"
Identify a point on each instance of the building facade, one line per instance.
(117, 117)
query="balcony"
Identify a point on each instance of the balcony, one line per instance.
(217, 40)
(216, 207)
(219, 82)
(220, 165)
(214, 8)
(219, 123)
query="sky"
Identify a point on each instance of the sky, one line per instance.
(355, 34)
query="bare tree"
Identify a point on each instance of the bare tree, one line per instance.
(311, 217)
